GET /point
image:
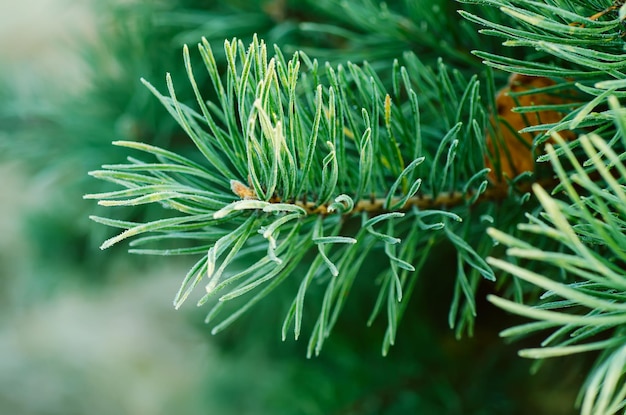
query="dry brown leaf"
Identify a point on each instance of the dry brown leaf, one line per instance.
(513, 150)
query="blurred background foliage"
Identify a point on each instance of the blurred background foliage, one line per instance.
(88, 332)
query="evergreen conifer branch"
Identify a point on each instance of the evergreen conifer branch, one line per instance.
(279, 150)
(580, 43)
(310, 169)
(589, 300)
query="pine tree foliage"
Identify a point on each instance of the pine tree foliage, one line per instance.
(282, 150)
(588, 298)
(313, 171)
(582, 275)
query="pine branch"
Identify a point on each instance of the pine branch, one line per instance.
(318, 145)
(590, 300)
(270, 127)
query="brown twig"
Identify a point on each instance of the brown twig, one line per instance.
(376, 206)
